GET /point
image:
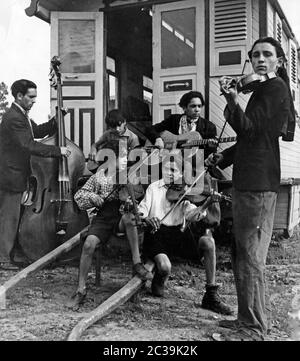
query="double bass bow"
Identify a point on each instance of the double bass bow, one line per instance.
(51, 216)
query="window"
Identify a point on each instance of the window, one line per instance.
(76, 46)
(112, 86)
(178, 37)
(147, 92)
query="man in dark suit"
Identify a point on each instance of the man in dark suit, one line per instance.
(17, 144)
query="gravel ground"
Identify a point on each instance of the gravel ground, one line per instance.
(36, 307)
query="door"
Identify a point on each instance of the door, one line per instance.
(77, 38)
(178, 54)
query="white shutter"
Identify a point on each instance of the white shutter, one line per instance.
(231, 29)
(278, 28)
(293, 63)
(293, 71)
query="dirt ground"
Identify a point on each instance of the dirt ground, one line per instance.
(36, 307)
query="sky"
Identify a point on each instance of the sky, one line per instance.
(25, 48)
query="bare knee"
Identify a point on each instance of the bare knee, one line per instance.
(163, 264)
(90, 245)
(207, 244)
(127, 219)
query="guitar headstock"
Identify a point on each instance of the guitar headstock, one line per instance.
(55, 75)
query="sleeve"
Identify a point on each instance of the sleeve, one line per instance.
(268, 111)
(41, 130)
(228, 155)
(191, 214)
(101, 140)
(133, 141)
(145, 205)
(87, 195)
(23, 139)
(154, 131)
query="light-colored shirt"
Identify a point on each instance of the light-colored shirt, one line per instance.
(156, 204)
(132, 139)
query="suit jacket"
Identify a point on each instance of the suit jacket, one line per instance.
(206, 129)
(17, 144)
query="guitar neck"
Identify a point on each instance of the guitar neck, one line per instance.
(205, 141)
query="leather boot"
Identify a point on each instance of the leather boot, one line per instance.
(212, 301)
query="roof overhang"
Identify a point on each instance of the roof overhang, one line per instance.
(42, 8)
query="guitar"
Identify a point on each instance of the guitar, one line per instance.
(187, 140)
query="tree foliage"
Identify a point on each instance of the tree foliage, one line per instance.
(3, 101)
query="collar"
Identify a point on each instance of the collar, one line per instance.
(162, 184)
(22, 110)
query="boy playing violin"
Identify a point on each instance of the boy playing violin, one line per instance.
(99, 192)
(164, 235)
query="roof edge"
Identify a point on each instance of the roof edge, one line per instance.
(35, 9)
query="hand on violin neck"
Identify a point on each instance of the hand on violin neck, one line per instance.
(213, 159)
(159, 143)
(228, 87)
(65, 151)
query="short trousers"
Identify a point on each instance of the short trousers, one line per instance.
(172, 242)
(106, 222)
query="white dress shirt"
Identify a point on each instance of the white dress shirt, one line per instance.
(155, 204)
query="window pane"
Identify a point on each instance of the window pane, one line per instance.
(113, 92)
(178, 38)
(77, 46)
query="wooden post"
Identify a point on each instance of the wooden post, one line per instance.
(116, 300)
(42, 262)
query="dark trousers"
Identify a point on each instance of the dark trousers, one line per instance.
(10, 209)
(253, 216)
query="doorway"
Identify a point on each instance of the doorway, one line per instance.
(129, 66)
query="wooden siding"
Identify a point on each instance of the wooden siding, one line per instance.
(270, 19)
(282, 209)
(290, 157)
(255, 20)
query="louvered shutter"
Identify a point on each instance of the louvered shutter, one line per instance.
(231, 29)
(278, 28)
(293, 70)
(293, 63)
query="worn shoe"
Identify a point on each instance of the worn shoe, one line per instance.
(244, 334)
(158, 285)
(141, 271)
(77, 300)
(212, 301)
(231, 324)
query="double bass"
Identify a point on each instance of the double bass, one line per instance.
(51, 216)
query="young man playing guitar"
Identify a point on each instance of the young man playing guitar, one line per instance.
(189, 121)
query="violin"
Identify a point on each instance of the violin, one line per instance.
(248, 83)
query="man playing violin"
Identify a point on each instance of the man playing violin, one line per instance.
(101, 192)
(268, 116)
(163, 236)
(17, 145)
